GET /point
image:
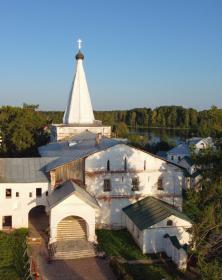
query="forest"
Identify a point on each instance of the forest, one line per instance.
(206, 122)
(23, 129)
(204, 208)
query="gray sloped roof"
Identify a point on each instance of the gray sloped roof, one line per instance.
(68, 188)
(82, 142)
(23, 170)
(181, 149)
(188, 160)
(150, 211)
(79, 147)
(196, 174)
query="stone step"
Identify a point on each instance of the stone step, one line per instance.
(74, 255)
(71, 229)
(72, 249)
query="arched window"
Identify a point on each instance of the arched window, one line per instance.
(169, 223)
(108, 165)
(125, 164)
(144, 165)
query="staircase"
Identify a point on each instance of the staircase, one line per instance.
(71, 228)
(72, 249)
(71, 240)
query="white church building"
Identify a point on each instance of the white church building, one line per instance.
(86, 180)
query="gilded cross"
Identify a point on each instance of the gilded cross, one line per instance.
(79, 43)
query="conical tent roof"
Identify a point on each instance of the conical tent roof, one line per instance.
(79, 108)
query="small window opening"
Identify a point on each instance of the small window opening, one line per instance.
(160, 184)
(107, 185)
(108, 165)
(144, 165)
(169, 223)
(38, 192)
(125, 164)
(7, 222)
(135, 183)
(8, 193)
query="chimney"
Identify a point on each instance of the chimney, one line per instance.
(98, 138)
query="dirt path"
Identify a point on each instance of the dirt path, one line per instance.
(79, 269)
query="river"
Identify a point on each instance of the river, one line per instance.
(155, 135)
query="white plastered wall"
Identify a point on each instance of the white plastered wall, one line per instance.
(121, 194)
(19, 207)
(135, 232)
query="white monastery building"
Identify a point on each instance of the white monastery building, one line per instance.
(86, 180)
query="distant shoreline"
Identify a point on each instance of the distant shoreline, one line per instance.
(159, 127)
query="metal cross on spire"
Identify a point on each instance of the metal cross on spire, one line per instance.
(79, 41)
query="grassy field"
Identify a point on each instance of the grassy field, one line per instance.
(120, 243)
(11, 252)
(145, 272)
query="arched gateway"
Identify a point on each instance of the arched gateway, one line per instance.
(72, 228)
(38, 222)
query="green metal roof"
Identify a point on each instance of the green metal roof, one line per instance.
(150, 211)
(196, 173)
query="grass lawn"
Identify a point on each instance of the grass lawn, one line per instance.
(119, 243)
(9, 267)
(145, 272)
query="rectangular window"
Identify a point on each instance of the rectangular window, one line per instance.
(135, 183)
(7, 221)
(8, 193)
(17, 194)
(38, 192)
(160, 184)
(30, 194)
(107, 185)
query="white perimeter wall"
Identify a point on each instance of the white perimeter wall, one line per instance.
(151, 240)
(153, 236)
(19, 207)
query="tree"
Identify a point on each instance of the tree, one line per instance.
(22, 130)
(204, 207)
(121, 130)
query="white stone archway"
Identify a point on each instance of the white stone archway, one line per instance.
(72, 206)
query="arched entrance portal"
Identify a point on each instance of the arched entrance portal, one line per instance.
(72, 228)
(38, 222)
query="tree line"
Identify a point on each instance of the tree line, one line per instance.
(23, 129)
(206, 122)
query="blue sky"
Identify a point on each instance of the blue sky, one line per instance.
(139, 53)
